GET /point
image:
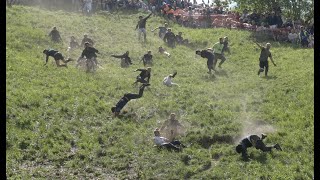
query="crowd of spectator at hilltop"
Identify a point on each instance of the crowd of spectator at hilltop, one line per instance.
(270, 25)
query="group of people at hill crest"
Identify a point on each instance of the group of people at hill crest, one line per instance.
(171, 128)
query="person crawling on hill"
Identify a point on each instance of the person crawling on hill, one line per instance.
(170, 38)
(55, 35)
(126, 98)
(142, 27)
(172, 127)
(211, 62)
(264, 55)
(147, 59)
(57, 57)
(254, 141)
(145, 73)
(166, 143)
(162, 30)
(168, 80)
(89, 52)
(163, 51)
(125, 59)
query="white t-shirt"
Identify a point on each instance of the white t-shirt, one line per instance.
(159, 140)
(167, 80)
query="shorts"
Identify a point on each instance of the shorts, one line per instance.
(58, 56)
(219, 56)
(142, 30)
(264, 64)
(210, 64)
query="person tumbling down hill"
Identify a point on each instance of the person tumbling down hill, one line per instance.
(211, 61)
(57, 57)
(147, 59)
(168, 80)
(254, 141)
(125, 59)
(126, 98)
(145, 74)
(166, 143)
(163, 51)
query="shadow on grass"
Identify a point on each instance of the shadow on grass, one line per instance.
(222, 72)
(209, 77)
(270, 77)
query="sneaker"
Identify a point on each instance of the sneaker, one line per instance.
(277, 146)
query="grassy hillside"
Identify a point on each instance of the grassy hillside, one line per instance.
(59, 124)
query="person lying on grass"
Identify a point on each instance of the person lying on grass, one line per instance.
(57, 57)
(126, 98)
(254, 141)
(163, 51)
(168, 80)
(165, 143)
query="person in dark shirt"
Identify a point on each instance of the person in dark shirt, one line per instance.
(125, 59)
(147, 59)
(126, 98)
(264, 55)
(180, 40)
(162, 30)
(86, 39)
(145, 73)
(55, 35)
(142, 26)
(254, 141)
(170, 38)
(211, 62)
(226, 45)
(57, 57)
(89, 52)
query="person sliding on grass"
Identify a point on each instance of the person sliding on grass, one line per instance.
(145, 73)
(254, 141)
(218, 51)
(57, 57)
(168, 80)
(126, 98)
(211, 62)
(125, 59)
(142, 27)
(165, 143)
(265, 53)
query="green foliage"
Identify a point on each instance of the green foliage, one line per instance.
(59, 124)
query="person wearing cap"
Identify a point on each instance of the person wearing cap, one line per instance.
(126, 98)
(86, 39)
(125, 59)
(55, 35)
(218, 54)
(254, 141)
(172, 127)
(170, 38)
(89, 52)
(142, 27)
(166, 143)
(161, 50)
(264, 55)
(211, 61)
(147, 59)
(162, 30)
(168, 80)
(145, 73)
(57, 57)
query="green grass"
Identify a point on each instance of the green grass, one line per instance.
(59, 124)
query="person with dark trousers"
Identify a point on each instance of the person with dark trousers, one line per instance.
(147, 59)
(125, 59)
(163, 142)
(57, 57)
(218, 51)
(264, 55)
(55, 35)
(254, 141)
(170, 38)
(142, 27)
(226, 45)
(126, 98)
(211, 62)
(89, 52)
(145, 73)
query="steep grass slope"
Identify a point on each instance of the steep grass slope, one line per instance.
(59, 123)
